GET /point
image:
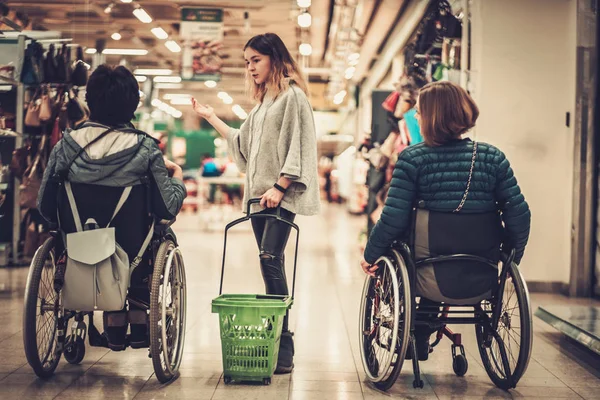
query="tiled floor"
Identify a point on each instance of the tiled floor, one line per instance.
(324, 318)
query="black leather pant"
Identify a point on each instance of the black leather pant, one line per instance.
(272, 236)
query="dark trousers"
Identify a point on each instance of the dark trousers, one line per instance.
(272, 236)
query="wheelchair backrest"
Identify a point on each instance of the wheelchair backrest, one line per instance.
(98, 202)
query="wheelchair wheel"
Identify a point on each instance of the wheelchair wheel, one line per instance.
(514, 328)
(167, 311)
(40, 314)
(385, 322)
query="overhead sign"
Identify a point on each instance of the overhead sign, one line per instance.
(201, 33)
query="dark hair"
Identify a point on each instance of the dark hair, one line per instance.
(283, 67)
(447, 111)
(112, 94)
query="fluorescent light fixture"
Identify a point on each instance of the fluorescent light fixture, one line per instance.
(305, 49)
(109, 8)
(90, 50)
(142, 15)
(159, 32)
(338, 100)
(304, 20)
(126, 1)
(210, 84)
(353, 56)
(155, 102)
(116, 36)
(228, 100)
(181, 101)
(141, 78)
(222, 95)
(353, 63)
(168, 86)
(177, 114)
(303, 3)
(171, 96)
(167, 79)
(350, 72)
(126, 52)
(173, 46)
(152, 71)
(5, 88)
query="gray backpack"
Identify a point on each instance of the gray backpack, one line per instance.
(98, 270)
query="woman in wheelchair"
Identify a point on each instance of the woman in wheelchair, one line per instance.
(106, 173)
(450, 195)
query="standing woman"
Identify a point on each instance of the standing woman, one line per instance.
(276, 147)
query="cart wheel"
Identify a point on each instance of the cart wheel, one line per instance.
(418, 384)
(227, 379)
(75, 350)
(460, 365)
(266, 381)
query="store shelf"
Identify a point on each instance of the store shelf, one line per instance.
(581, 323)
(8, 81)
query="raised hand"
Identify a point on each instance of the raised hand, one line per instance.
(203, 110)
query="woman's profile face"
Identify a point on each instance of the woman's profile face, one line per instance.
(258, 65)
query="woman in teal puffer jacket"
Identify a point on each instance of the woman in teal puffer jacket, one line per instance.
(435, 174)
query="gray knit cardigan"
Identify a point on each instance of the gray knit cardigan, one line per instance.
(278, 138)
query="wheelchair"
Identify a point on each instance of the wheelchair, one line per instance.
(46, 335)
(389, 314)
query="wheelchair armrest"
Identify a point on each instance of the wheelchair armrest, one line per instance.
(164, 223)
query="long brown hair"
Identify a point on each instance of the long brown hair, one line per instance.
(283, 68)
(447, 111)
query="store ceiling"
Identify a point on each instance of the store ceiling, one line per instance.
(87, 23)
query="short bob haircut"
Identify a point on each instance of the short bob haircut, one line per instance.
(447, 111)
(283, 67)
(113, 95)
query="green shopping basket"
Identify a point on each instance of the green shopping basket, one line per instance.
(250, 324)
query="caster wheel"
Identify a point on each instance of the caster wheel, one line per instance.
(227, 379)
(74, 350)
(460, 365)
(266, 381)
(418, 384)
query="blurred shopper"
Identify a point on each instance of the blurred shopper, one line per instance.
(277, 149)
(436, 174)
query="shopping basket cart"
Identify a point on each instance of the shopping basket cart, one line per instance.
(250, 324)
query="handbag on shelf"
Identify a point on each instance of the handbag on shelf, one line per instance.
(32, 117)
(61, 65)
(45, 108)
(19, 161)
(32, 178)
(50, 67)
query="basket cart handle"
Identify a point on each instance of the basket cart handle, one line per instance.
(248, 216)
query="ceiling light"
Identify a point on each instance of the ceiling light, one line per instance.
(126, 52)
(126, 1)
(177, 114)
(305, 49)
(168, 86)
(116, 36)
(181, 101)
(350, 70)
(90, 50)
(141, 78)
(303, 3)
(142, 15)
(304, 20)
(353, 56)
(353, 62)
(338, 100)
(171, 96)
(167, 79)
(173, 46)
(210, 84)
(109, 8)
(222, 95)
(159, 32)
(228, 100)
(156, 102)
(152, 71)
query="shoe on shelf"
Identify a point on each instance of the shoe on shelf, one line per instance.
(285, 360)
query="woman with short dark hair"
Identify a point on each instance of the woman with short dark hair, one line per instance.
(448, 173)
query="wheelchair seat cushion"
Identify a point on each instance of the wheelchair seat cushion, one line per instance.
(456, 281)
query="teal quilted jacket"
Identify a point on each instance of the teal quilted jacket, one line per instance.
(436, 177)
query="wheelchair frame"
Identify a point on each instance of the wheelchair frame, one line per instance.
(168, 269)
(486, 321)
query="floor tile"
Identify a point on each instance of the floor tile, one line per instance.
(181, 388)
(103, 387)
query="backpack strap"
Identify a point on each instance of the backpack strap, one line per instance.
(73, 205)
(122, 201)
(136, 261)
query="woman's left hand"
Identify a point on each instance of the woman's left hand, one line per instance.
(271, 198)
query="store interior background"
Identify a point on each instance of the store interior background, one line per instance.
(530, 65)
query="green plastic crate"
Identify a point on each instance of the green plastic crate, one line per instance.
(250, 334)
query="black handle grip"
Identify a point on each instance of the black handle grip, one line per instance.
(246, 218)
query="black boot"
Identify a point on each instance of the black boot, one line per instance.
(285, 360)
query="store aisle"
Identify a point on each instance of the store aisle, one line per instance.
(324, 319)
